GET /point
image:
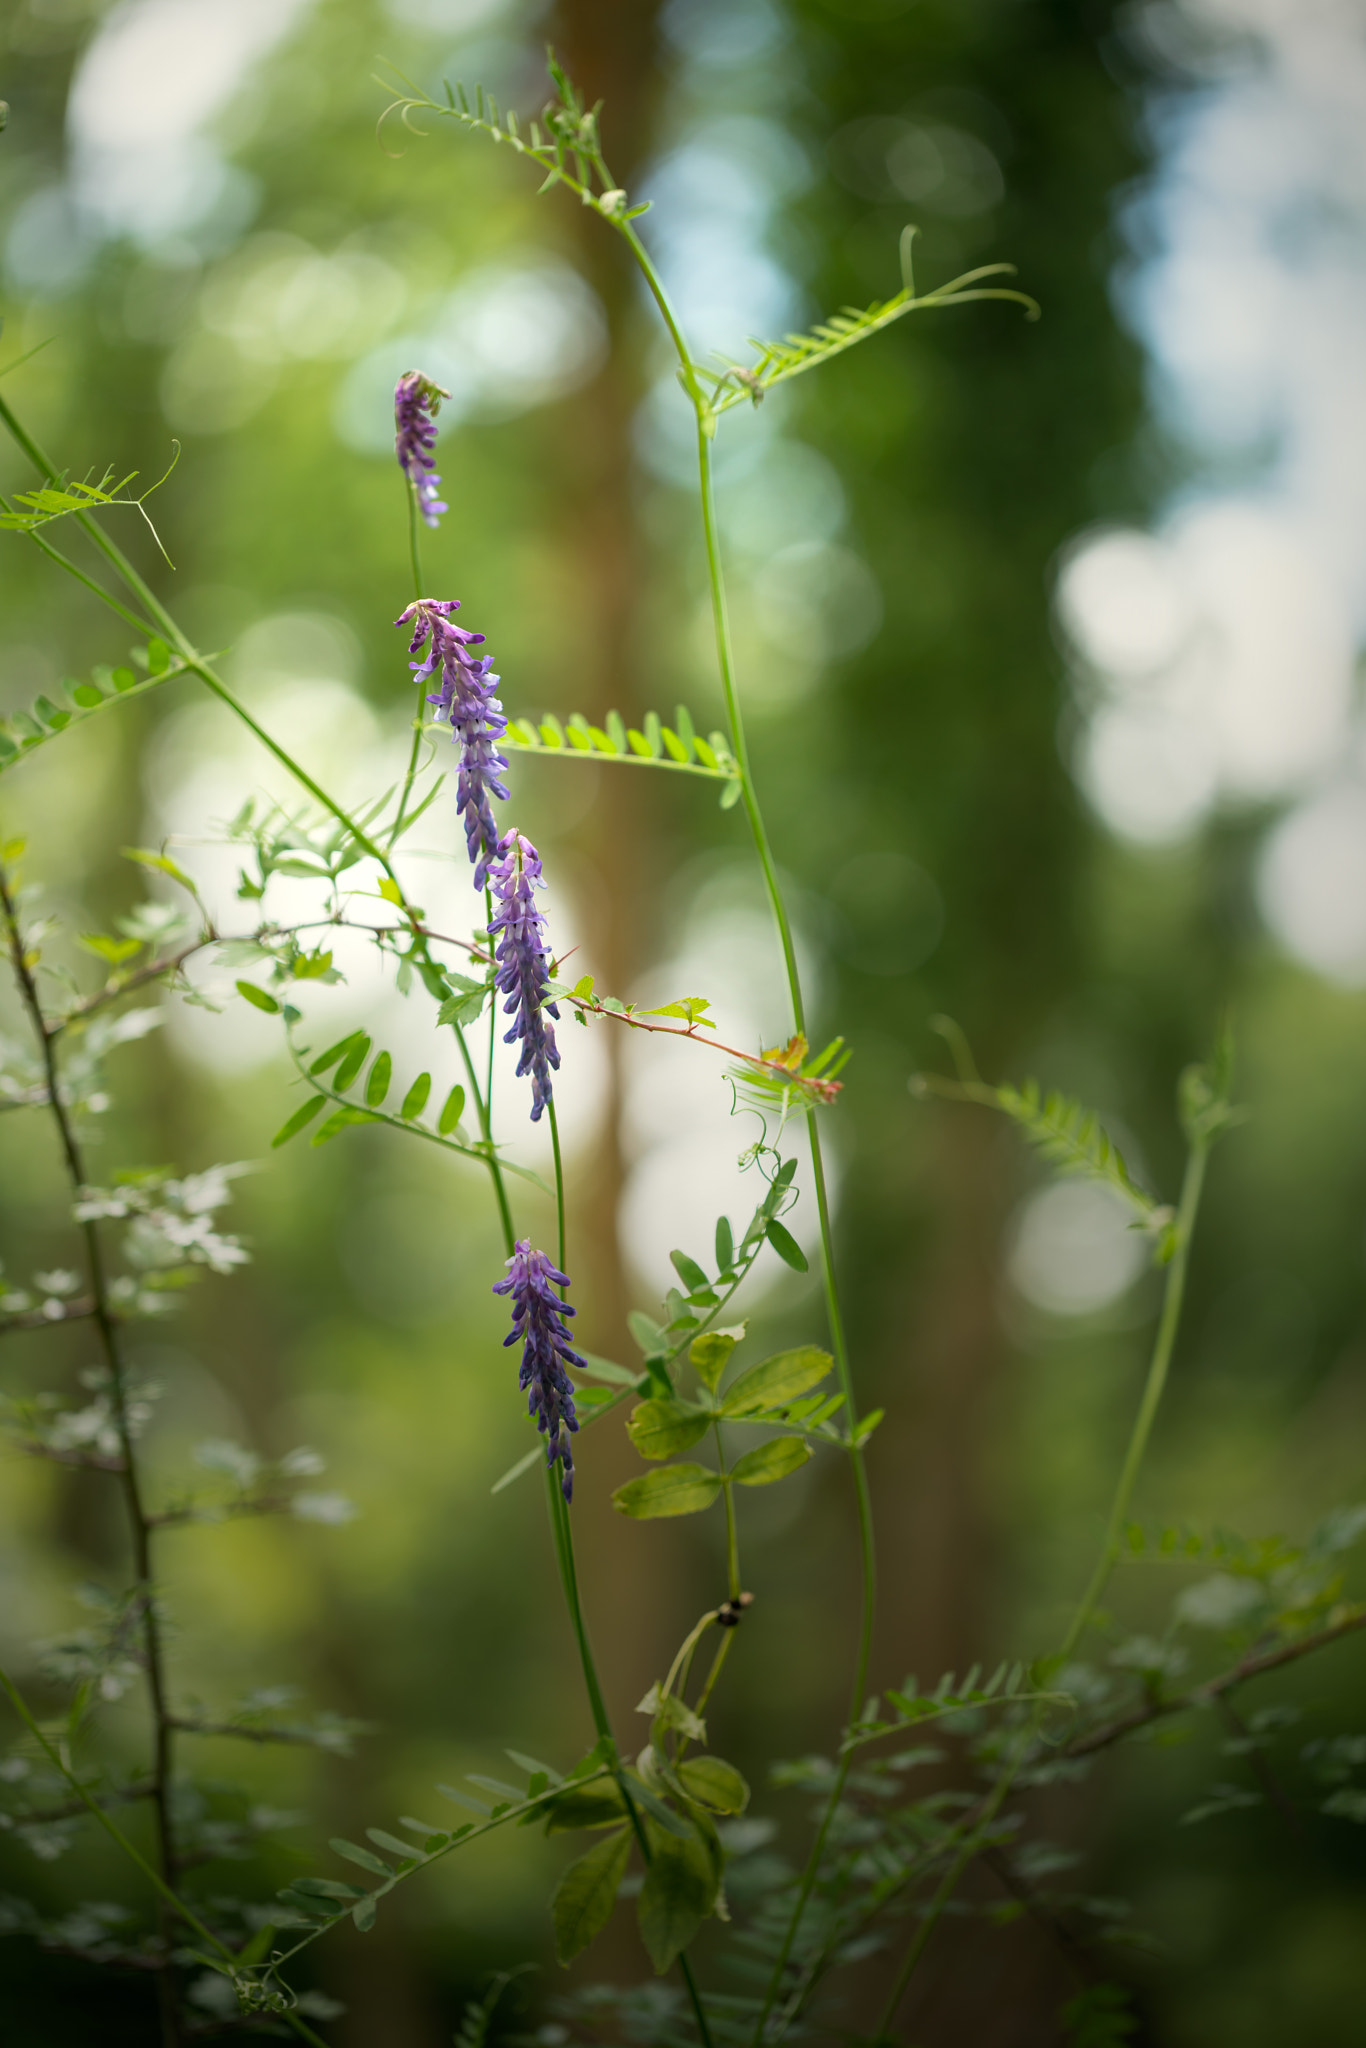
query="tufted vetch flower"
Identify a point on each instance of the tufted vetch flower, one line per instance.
(464, 698)
(522, 969)
(538, 1320)
(417, 400)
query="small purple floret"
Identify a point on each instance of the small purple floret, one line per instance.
(538, 1319)
(466, 701)
(417, 401)
(523, 970)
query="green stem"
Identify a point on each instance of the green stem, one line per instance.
(1192, 1187)
(1159, 1365)
(834, 1314)
(732, 1539)
(420, 708)
(726, 664)
(559, 1181)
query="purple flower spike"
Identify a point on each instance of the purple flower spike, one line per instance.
(417, 401)
(538, 1316)
(523, 972)
(466, 701)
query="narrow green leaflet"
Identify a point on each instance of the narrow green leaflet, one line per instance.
(776, 1381)
(772, 1461)
(587, 1892)
(737, 384)
(785, 1245)
(678, 748)
(673, 1490)
(24, 731)
(304, 1114)
(659, 1428)
(678, 1894)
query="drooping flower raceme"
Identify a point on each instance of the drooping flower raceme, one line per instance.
(464, 698)
(538, 1319)
(522, 968)
(417, 400)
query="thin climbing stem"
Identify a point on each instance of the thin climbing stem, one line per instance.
(559, 1182)
(419, 709)
(1164, 1343)
(732, 1537)
(706, 427)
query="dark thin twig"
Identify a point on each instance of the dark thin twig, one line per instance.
(1261, 1765)
(222, 1511)
(76, 1809)
(139, 1527)
(243, 1732)
(39, 1319)
(85, 1461)
(1212, 1689)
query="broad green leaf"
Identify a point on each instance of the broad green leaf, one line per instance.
(258, 997)
(688, 1271)
(452, 1112)
(115, 951)
(415, 1101)
(304, 1114)
(785, 1245)
(466, 1005)
(659, 1428)
(771, 1461)
(676, 1897)
(586, 1806)
(377, 1082)
(709, 1353)
(713, 1783)
(673, 1490)
(775, 1381)
(352, 1061)
(586, 1894)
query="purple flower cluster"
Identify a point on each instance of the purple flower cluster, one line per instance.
(538, 1319)
(417, 401)
(522, 968)
(465, 699)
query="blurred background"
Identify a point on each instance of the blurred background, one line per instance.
(1049, 637)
